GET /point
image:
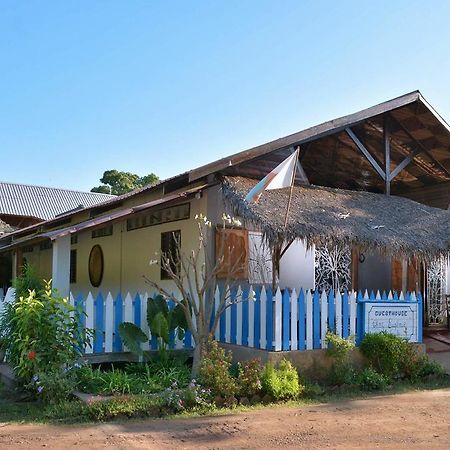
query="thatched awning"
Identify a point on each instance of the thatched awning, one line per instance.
(326, 216)
(5, 228)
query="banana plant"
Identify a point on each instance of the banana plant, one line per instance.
(161, 320)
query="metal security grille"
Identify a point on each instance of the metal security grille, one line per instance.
(333, 268)
(436, 289)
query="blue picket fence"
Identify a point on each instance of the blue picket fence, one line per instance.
(258, 318)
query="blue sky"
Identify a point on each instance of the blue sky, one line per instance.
(166, 86)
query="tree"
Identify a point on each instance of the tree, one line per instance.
(195, 277)
(117, 183)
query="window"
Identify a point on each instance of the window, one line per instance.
(73, 266)
(28, 249)
(101, 232)
(74, 239)
(166, 215)
(45, 245)
(169, 243)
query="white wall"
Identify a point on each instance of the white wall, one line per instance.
(297, 267)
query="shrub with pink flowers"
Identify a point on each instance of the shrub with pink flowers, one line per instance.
(215, 372)
(249, 377)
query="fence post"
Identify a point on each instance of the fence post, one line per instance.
(278, 319)
(239, 314)
(338, 314)
(98, 337)
(144, 323)
(294, 320)
(228, 315)
(323, 319)
(269, 319)
(245, 322)
(109, 323)
(331, 312)
(89, 308)
(419, 317)
(316, 319)
(263, 322)
(216, 309)
(118, 315)
(301, 321)
(309, 321)
(359, 319)
(352, 308)
(251, 317)
(285, 320)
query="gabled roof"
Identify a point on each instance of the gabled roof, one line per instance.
(330, 157)
(312, 133)
(44, 202)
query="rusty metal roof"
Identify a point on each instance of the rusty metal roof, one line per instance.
(44, 202)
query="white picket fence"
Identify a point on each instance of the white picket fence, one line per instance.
(254, 318)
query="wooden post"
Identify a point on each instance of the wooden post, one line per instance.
(387, 156)
(297, 151)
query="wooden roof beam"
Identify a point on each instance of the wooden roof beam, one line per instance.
(420, 145)
(426, 167)
(365, 152)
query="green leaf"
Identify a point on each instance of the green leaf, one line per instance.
(156, 305)
(179, 317)
(132, 336)
(160, 327)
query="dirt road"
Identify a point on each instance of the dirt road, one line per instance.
(413, 420)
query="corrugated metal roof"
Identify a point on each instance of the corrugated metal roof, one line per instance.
(44, 202)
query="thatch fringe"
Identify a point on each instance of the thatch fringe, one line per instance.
(390, 225)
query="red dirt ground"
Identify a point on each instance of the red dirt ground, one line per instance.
(405, 421)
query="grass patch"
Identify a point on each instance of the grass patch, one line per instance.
(12, 409)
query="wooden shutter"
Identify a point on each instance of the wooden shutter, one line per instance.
(413, 274)
(233, 244)
(396, 274)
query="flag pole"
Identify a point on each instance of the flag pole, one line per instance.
(297, 151)
(277, 251)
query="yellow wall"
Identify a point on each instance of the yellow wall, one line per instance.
(127, 254)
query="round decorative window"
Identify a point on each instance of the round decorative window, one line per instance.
(96, 265)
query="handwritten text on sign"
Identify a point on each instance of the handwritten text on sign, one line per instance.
(400, 320)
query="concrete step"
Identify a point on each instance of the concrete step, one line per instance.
(6, 375)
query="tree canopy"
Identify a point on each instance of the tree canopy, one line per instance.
(117, 182)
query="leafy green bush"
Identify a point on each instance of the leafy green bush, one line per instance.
(27, 281)
(249, 377)
(281, 382)
(215, 371)
(44, 334)
(339, 348)
(430, 368)
(385, 352)
(341, 375)
(370, 380)
(393, 356)
(53, 387)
